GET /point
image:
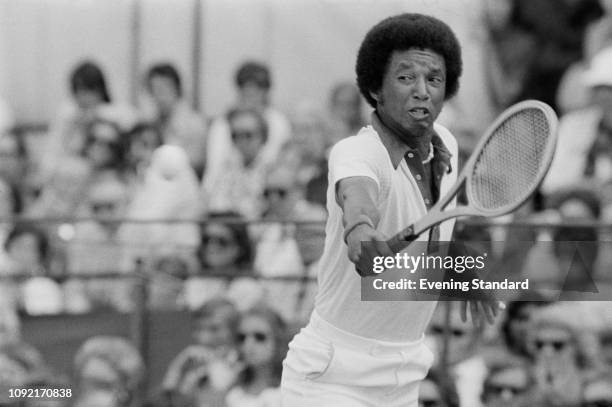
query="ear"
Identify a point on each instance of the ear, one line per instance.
(375, 96)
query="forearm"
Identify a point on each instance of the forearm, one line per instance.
(357, 200)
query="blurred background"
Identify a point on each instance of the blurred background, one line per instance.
(163, 186)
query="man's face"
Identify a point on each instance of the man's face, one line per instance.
(413, 89)
(164, 92)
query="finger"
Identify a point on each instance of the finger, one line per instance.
(464, 305)
(489, 311)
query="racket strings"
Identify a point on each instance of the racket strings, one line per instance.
(507, 169)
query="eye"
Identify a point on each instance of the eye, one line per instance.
(406, 77)
(436, 80)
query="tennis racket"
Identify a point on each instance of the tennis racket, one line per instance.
(506, 167)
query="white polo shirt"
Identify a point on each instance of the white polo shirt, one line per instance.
(400, 204)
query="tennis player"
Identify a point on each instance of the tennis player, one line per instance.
(355, 353)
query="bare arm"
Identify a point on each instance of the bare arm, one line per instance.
(357, 198)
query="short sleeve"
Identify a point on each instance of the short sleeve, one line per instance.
(358, 156)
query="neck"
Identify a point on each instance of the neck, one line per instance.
(262, 379)
(414, 141)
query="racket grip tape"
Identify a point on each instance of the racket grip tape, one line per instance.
(398, 242)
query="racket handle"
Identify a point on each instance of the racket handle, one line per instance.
(398, 242)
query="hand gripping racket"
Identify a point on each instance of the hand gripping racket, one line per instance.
(505, 168)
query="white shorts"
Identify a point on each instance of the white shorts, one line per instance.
(326, 366)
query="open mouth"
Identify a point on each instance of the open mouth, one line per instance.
(419, 113)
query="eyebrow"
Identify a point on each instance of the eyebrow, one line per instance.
(410, 65)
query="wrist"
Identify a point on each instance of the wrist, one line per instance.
(362, 220)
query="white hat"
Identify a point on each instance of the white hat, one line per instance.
(600, 70)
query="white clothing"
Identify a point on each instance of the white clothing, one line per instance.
(400, 204)
(327, 366)
(577, 132)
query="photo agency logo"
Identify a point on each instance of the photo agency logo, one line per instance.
(425, 271)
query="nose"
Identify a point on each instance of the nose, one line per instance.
(420, 90)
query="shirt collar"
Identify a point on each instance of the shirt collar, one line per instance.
(397, 150)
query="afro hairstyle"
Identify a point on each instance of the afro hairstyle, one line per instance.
(400, 33)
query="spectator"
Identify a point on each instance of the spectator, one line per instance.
(587, 156)
(65, 190)
(19, 362)
(345, 111)
(9, 203)
(562, 347)
(90, 99)
(105, 147)
(108, 366)
(207, 367)
(508, 384)
(262, 335)
(177, 122)
(517, 319)
(14, 164)
(253, 82)
(144, 139)
(239, 186)
(464, 359)
(96, 248)
(438, 390)
(597, 389)
(166, 206)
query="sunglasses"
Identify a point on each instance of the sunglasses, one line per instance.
(498, 390)
(558, 346)
(102, 207)
(456, 333)
(280, 192)
(222, 241)
(245, 135)
(597, 403)
(259, 337)
(430, 403)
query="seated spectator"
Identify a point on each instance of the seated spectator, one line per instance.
(144, 139)
(508, 384)
(305, 153)
(90, 99)
(253, 82)
(14, 164)
(164, 211)
(105, 148)
(65, 190)
(29, 255)
(207, 367)
(9, 207)
(96, 248)
(176, 121)
(464, 360)
(597, 389)
(108, 367)
(345, 111)
(226, 252)
(562, 347)
(262, 337)
(19, 362)
(587, 156)
(516, 320)
(437, 390)
(239, 185)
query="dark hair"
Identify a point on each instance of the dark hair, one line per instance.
(88, 76)
(446, 387)
(253, 72)
(263, 124)
(119, 148)
(42, 240)
(235, 223)
(514, 308)
(508, 362)
(168, 71)
(279, 330)
(400, 33)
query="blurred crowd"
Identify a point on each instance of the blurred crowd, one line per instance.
(215, 212)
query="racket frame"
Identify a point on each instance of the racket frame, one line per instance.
(436, 214)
